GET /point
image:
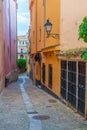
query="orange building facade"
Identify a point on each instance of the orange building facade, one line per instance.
(55, 64)
(43, 47)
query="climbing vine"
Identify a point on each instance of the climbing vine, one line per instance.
(73, 52)
(83, 30)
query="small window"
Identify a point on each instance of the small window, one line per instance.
(23, 42)
(21, 50)
(43, 73)
(50, 71)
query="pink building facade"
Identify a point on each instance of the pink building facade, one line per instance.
(8, 46)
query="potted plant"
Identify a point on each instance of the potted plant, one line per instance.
(83, 34)
(21, 65)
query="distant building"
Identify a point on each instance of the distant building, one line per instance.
(23, 50)
(23, 45)
(8, 46)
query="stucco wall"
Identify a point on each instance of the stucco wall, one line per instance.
(33, 25)
(40, 25)
(50, 58)
(52, 12)
(9, 36)
(1, 50)
(13, 34)
(72, 13)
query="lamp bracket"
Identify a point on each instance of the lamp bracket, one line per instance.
(53, 35)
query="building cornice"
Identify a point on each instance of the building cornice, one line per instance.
(55, 47)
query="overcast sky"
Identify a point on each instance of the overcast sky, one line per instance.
(23, 19)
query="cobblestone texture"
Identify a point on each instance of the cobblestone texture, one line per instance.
(13, 114)
(61, 116)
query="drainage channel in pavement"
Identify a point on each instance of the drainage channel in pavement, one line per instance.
(34, 124)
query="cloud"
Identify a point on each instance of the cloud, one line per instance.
(25, 14)
(22, 18)
(22, 32)
(21, 0)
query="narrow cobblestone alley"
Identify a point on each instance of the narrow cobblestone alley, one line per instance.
(23, 106)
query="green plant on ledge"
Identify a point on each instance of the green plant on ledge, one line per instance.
(83, 30)
(21, 63)
(73, 52)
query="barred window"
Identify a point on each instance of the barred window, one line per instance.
(72, 83)
(63, 78)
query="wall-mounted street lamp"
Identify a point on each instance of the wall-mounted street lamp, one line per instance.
(48, 28)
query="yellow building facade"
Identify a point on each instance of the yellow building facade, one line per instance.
(55, 63)
(45, 47)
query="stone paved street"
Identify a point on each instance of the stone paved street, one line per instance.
(23, 106)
